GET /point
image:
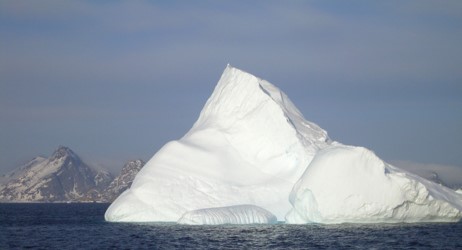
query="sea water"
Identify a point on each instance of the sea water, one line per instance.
(82, 226)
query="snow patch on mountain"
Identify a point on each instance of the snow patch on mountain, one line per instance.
(124, 180)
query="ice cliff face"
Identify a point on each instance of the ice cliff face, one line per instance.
(251, 145)
(351, 184)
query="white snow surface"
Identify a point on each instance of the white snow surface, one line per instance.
(240, 214)
(251, 145)
(345, 184)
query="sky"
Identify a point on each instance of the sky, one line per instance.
(116, 80)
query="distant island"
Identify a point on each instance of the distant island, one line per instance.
(64, 177)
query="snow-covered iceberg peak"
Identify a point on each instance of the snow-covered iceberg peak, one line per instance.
(240, 97)
(249, 145)
(252, 111)
(351, 184)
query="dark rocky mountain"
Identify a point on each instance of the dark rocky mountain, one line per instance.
(64, 177)
(124, 180)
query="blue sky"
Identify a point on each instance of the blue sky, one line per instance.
(116, 80)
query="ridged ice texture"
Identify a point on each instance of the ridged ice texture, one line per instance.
(249, 145)
(351, 184)
(241, 214)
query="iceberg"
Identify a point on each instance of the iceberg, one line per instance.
(249, 145)
(345, 184)
(251, 155)
(240, 214)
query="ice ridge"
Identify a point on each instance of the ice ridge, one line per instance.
(241, 214)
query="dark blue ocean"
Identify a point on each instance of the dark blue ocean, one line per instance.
(82, 226)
